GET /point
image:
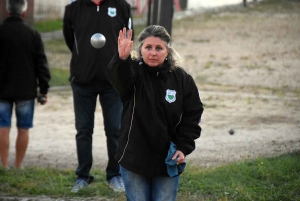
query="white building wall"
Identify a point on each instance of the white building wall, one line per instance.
(192, 4)
(47, 9)
(53, 9)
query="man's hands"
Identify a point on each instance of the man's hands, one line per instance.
(42, 99)
(124, 44)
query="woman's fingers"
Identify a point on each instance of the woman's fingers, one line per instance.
(124, 43)
(121, 34)
(129, 34)
(179, 156)
(124, 33)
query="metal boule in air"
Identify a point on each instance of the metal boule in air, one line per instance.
(98, 40)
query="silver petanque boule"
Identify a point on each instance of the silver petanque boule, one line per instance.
(98, 40)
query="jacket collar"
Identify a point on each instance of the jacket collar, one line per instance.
(163, 69)
(13, 19)
(90, 1)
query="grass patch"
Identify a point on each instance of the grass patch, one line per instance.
(283, 6)
(59, 77)
(276, 178)
(48, 25)
(57, 47)
(57, 24)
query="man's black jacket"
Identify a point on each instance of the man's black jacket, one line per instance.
(23, 63)
(82, 19)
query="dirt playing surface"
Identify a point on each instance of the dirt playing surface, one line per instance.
(247, 67)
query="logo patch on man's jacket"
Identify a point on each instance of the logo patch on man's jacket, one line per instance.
(170, 95)
(112, 12)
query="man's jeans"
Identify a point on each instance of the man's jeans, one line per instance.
(141, 188)
(85, 100)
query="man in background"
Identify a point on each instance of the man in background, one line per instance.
(23, 70)
(89, 82)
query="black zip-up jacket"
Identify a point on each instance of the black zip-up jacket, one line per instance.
(23, 63)
(82, 19)
(160, 106)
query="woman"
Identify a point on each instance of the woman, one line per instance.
(161, 115)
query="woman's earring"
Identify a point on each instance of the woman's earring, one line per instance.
(166, 58)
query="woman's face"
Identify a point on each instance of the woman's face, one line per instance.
(154, 51)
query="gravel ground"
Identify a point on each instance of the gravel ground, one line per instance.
(246, 65)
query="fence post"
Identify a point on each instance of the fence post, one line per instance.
(166, 14)
(161, 14)
(2, 11)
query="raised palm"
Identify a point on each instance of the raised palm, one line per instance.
(124, 43)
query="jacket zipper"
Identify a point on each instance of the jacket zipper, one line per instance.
(178, 123)
(129, 132)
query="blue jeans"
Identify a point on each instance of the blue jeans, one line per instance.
(24, 110)
(141, 188)
(85, 100)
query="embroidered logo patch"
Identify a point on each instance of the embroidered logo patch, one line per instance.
(112, 12)
(170, 96)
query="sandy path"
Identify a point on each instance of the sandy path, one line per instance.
(263, 126)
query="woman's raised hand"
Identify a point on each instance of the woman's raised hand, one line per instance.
(124, 43)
